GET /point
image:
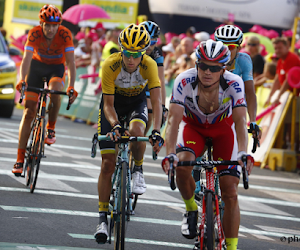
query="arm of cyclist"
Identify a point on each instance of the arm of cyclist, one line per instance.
(174, 119)
(70, 62)
(239, 119)
(251, 99)
(155, 98)
(112, 118)
(24, 69)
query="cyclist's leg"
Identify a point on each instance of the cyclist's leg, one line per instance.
(137, 125)
(30, 103)
(56, 82)
(229, 180)
(104, 182)
(189, 144)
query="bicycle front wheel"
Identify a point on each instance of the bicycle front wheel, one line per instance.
(36, 154)
(210, 229)
(119, 227)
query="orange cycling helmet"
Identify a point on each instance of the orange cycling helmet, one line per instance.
(50, 14)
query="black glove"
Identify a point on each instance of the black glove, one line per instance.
(119, 128)
(254, 127)
(164, 111)
(155, 136)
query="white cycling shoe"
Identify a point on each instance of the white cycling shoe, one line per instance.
(138, 183)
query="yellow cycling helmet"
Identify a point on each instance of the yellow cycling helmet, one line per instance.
(134, 37)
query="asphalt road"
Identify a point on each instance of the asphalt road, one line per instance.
(62, 213)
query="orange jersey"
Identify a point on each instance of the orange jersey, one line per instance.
(62, 43)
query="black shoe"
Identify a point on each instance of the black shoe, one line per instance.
(101, 233)
(189, 224)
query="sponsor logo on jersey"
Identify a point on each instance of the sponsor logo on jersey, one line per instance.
(191, 142)
(235, 85)
(115, 66)
(240, 101)
(184, 82)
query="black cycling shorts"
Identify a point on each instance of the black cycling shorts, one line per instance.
(136, 111)
(39, 70)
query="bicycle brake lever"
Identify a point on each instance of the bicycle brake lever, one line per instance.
(171, 174)
(94, 146)
(71, 94)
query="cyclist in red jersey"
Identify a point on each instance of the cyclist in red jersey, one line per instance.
(48, 48)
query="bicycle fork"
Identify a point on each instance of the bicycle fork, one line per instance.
(210, 188)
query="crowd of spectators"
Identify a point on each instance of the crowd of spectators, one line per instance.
(94, 44)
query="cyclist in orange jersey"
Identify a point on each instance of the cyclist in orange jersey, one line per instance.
(48, 48)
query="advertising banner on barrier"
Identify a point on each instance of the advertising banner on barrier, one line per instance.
(274, 13)
(120, 11)
(27, 12)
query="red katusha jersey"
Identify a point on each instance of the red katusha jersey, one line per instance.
(62, 43)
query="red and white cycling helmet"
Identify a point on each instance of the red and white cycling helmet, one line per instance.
(211, 50)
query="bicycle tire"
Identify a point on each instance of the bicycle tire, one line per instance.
(131, 166)
(37, 147)
(119, 227)
(210, 229)
(29, 152)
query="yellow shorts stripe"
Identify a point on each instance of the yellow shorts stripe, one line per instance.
(138, 120)
(107, 151)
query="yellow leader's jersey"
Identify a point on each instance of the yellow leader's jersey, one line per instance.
(116, 81)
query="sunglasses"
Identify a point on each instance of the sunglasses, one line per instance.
(128, 53)
(232, 46)
(252, 44)
(212, 69)
(153, 42)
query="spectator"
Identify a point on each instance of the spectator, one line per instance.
(3, 31)
(190, 32)
(169, 49)
(170, 71)
(110, 47)
(266, 79)
(82, 56)
(287, 60)
(187, 49)
(253, 49)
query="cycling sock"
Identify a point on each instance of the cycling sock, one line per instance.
(138, 168)
(21, 155)
(138, 163)
(103, 210)
(231, 243)
(51, 125)
(103, 217)
(191, 204)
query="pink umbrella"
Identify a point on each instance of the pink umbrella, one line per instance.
(82, 12)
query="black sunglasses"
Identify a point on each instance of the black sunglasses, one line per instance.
(212, 69)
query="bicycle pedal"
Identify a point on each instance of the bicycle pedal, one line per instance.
(18, 175)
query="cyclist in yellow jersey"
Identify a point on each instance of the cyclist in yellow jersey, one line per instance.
(124, 78)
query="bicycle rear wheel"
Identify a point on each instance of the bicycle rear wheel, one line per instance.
(119, 223)
(35, 154)
(210, 228)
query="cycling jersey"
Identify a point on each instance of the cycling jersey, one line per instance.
(196, 126)
(231, 95)
(128, 87)
(243, 66)
(157, 56)
(62, 43)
